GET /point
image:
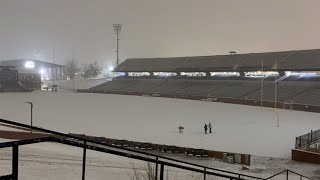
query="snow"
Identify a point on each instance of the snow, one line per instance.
(236, 128)
(57, 161)
(78, 83)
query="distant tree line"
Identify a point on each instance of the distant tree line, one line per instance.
(90, 70)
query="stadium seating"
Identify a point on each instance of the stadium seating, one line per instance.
(115, 85)
(310, 97)
(171, 86)
(143, 85)
(236, 89)
(285, 91)
(200, 87)
(289, 89)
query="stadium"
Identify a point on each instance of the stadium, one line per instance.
(159, 90)
(287, 80)
(262, 107)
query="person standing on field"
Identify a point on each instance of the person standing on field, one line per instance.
(205, 128)
(210, 127)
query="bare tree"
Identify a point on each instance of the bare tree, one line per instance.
(91, 70)
(71, 69)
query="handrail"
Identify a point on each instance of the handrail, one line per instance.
(276, 174)
(123, 154)
(97, 148)
(299, 174)
(122, 148)
(302, 176)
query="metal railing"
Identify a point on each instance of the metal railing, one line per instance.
(307, 139)
(159, 161)
(286, 173)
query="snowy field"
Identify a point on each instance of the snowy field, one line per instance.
(53, 161)
(78, 83)
(236, 128)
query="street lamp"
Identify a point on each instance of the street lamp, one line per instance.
(31, 108)
(117, 30)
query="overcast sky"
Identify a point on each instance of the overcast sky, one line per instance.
(154, 28)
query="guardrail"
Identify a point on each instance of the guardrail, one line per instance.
(307, 139)
(70, 140)
(130, 153)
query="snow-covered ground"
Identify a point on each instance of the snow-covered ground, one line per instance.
(78, 83)
(56, 161)
(237, 128)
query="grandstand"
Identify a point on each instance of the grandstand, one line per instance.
(290, 76)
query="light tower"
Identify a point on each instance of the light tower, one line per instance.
(117, 30)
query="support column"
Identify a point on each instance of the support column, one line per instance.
(15, 162)
(84, 162)
(56, 76)
(157, 168)
(161, 171)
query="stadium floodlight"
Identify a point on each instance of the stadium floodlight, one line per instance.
(111, 68)
(41, 71)
(29, 65)
(117, 29)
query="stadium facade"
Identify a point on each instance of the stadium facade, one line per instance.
(287, 79)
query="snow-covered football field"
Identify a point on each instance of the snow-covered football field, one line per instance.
(236, 128)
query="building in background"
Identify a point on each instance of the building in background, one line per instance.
(9, 81)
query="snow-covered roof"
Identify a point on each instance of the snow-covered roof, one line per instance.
(21, 62)
(304, 60)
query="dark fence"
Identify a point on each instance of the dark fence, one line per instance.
(307, 139)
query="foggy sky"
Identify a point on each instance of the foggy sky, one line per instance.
(154, 28)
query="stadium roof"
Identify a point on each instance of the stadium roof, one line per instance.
(21, 63)
(301, 60)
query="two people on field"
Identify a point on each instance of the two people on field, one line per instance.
(206, 127)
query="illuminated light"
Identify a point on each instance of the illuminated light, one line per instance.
(288, 73)
(165, 74)
(111, 68)
(41, 71)
(225, 74)
(48, 78)
(29, 64)
(120, 74)
(138, 74)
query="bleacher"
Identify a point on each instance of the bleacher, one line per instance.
(286, 90)
(171, 86)
(115, 85)
(310, 97)
(144, 85)
(200, 87)
(236, 89)
(234, 78)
